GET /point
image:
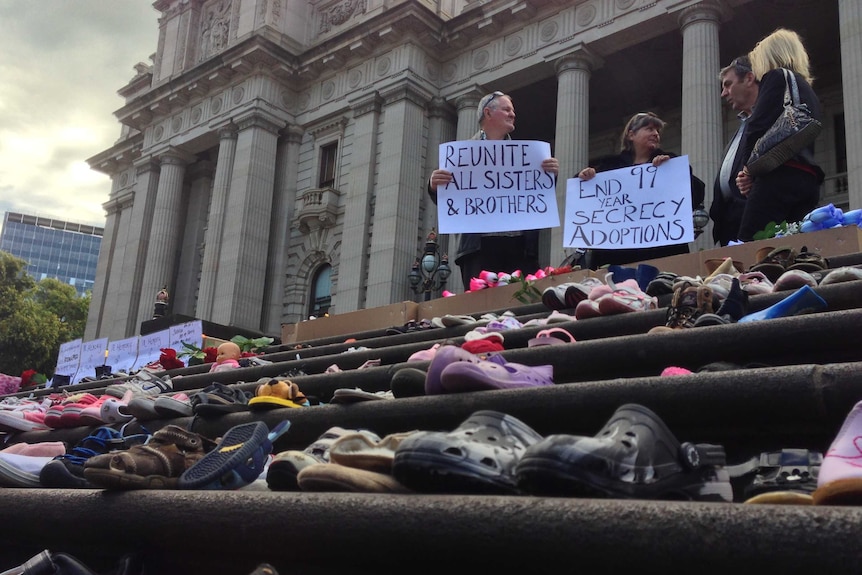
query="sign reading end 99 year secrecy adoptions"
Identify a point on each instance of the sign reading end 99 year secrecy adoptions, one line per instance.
(633, 207)
(498, 186)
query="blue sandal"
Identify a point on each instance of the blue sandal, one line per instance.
(238, 460)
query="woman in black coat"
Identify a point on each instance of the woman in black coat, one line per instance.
(791, 190)
(639, 144)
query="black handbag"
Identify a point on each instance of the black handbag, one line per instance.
(793, 131)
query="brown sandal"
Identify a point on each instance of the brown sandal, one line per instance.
(157, 464)
(775, 262)
(808, 262)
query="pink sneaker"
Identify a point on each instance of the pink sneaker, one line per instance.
(625, 298)
(840, 479)
(24, 420)
(425, 354)
(71, 415)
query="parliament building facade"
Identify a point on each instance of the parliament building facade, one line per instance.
(274, 154)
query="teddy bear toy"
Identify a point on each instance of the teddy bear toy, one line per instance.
(281, 389)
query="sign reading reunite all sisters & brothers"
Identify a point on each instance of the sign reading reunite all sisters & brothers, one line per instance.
(498, 186)
(634, 207)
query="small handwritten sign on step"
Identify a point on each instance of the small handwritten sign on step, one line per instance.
(69, 358)
(633, 207)
(498, 186)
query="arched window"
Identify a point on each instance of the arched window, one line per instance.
(321, 291)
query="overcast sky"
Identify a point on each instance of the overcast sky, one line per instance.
(61, 64)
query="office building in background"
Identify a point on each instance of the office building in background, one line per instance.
(53, 248)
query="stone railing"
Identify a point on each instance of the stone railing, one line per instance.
(319, 209)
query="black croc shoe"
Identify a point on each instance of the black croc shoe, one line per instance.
(478, 457)
(634, 456)
(788, 476)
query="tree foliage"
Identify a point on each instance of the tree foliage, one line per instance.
(35, 318)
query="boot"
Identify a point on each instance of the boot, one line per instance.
(688, 304)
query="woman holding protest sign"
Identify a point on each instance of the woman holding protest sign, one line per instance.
(500, 251)
(791, 190)
(639, 144)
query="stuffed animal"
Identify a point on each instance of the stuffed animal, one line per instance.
(282, 389)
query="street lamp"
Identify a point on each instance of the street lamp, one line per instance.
(700, 219)
(431, 270)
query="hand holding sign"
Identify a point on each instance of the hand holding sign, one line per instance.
(632, 207)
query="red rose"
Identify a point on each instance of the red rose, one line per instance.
(169, 359)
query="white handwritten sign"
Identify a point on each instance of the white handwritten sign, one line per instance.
(150, 347)
(93, 353)
(633, 207)
(69, 358)
(498, 186)
(190, 332)
(122, 354)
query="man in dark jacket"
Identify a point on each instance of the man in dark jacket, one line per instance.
(494, 252)
(739, 89)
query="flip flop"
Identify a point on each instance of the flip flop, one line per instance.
(238, 459)
(546, 337)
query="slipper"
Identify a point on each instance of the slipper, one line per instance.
(344, 395)
(239, 458)
(447, 355)
(360, 451)
(479, 456)
(463, 376)
(265, 402)
(793, 279)
(340, 478)
(842, 274)
(142, 408)
(480, 333)
(177, 405)
(559, 317)
(546, 337)
(450, 320)
(424, 354)
(286, 465)
(218, 399)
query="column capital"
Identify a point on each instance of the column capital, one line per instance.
(366, 104)
(292, 134)
(144, 165)
(440, 108)
(406, 90)
(259, 119)
(228, 132)
(118, 203)
(176, 157)
(581, 58)
(705, 11)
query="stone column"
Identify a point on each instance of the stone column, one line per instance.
(850, 26)
(441, 128)
(242, 260)
(283, 203)
(572, 136)
(353, 262)
(105, 265)
(701, 104)
(215, 222)
(185, 293)
(394, 239)
(161, 256)
(134, 257)
(466, 105)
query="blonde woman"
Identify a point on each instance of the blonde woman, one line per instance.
(791, 190)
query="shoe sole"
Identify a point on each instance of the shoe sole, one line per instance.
(540, 475)
(237, 447)
(111, 479)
